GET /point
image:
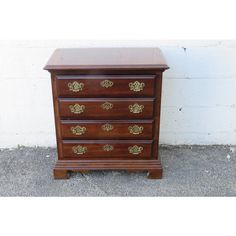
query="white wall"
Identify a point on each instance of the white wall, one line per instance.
(199, 91)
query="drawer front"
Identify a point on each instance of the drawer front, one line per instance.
(107, 149)
(107, 130)
(106, 108)
(108, 86)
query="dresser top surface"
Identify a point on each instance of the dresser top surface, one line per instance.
(106, 58)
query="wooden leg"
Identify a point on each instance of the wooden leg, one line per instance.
(61, 174)
(155, 174)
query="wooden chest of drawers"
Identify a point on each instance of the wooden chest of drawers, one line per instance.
(107, 109)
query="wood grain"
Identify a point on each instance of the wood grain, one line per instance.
(95, 149)
(95, 129)
(92, 86)
(81, 113)
(94, 110)
(154, 167)
(105, 58)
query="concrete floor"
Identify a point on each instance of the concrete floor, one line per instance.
(188, 171)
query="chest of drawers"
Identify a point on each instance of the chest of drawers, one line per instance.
(107, 109)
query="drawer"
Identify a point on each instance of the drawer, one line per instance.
(107, 129)
(105, 86)
(106, 108)
(107, 149)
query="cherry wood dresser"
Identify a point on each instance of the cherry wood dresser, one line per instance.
(107, 109)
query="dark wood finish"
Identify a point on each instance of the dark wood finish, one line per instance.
(94, 110)
(92, 86)
(157, 114)
(108, 72)
(106, 58)
(155, 173)
(121, 66)
(153, 166)
(56, 116)
(95, 149)
(119, 129)
(108, 164)
(61, 174)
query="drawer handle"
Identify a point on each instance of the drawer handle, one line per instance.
(78, 130)
(79, 150)
(107, 106)
(77, 109)
(136, 108)
(106, 83)
(107, 127)
(76, 86)
(135, 150)
(135, 129)
(108, 148)
(136, 86)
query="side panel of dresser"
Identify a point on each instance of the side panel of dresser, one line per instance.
(157, 113)
(56, 116)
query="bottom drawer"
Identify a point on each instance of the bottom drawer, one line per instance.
(108, 149)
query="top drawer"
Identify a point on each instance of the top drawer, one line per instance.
(106, 86)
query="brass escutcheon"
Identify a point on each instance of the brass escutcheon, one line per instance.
(78, 130)
(136, 86)
(107, 127)
(135, 150)
(107, 106)
(79, 150)
(77, 108)
(136, 108)
(135, 129)
(108, 148)
(106, 83)
(76, 86)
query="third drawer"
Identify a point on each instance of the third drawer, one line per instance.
(107, 129)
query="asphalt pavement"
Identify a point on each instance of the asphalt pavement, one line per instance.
(188, 171)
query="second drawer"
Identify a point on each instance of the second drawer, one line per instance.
(107, 129)
(104, 108)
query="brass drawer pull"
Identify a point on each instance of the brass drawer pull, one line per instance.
(77, 109)
(136, 86)
(79, 150)
(106, 83)
(135, 150)
(78, 130)
(135, 129)
(107, 106)
(108, 148)
(107, 127)
(136, 108)
(76, 86)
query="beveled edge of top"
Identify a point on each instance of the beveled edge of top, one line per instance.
(73, 67)
(50, 66)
